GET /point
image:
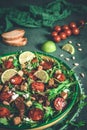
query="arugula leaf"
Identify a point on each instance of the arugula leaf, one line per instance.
(4, 121)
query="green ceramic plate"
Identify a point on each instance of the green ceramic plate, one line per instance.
(58, 117)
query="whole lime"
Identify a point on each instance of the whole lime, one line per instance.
(48, 46)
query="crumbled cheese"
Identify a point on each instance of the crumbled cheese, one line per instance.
(66, 90)
(26, 119)
(14, 96)
(26, 95)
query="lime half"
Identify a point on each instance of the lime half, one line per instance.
(42, 75)
(69, 48)
(26, 56)
(6, 75)
(49, 46)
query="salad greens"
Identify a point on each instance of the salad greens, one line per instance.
(26, 100)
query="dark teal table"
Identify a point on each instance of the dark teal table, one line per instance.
(37, 36)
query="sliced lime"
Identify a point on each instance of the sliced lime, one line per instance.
(49, 46)
(69, 48)
(42, 75)
(6, 75)
(26, 56)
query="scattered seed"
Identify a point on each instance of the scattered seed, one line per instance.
(73, 57)
(76, 64)
(70, 41)
(78, 44)
(82, 75)
(67, 59)
(80, 49)
(61, 55)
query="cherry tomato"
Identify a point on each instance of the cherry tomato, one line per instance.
(81, 23)
(4, 112)
(72, 25)
(54, 33)
(62, 35)
(38, 86)
(65, 27)
(57, 38)
(61, 77)
(5, 96)
(57, 28)
(75, 31)
(47, 65)
(16, 80)
(36, 114)
(68, 32)
(8, 64)
(59, 103)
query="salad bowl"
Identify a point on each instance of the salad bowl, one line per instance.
(36, 90)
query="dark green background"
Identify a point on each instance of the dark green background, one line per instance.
(37, 36)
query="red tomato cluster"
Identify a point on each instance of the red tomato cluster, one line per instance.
(62, 32)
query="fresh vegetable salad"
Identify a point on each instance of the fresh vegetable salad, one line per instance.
(34, 89)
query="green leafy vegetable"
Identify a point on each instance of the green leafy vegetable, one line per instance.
(37, 16)
(4, 121)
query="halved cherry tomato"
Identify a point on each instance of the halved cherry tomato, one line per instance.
(59, 103)
(8, 64)
(47, 65)
(4, 112)
(5, 96)
(36, 114)
(16, 80)
(61, 77)
(38, 86)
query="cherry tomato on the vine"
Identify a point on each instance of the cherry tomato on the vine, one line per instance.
(62, 35)
(57, 28)
(75, 31)
(57, 38)
(54, 33)
(72, 25)
(68, 32)
(65, 27)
